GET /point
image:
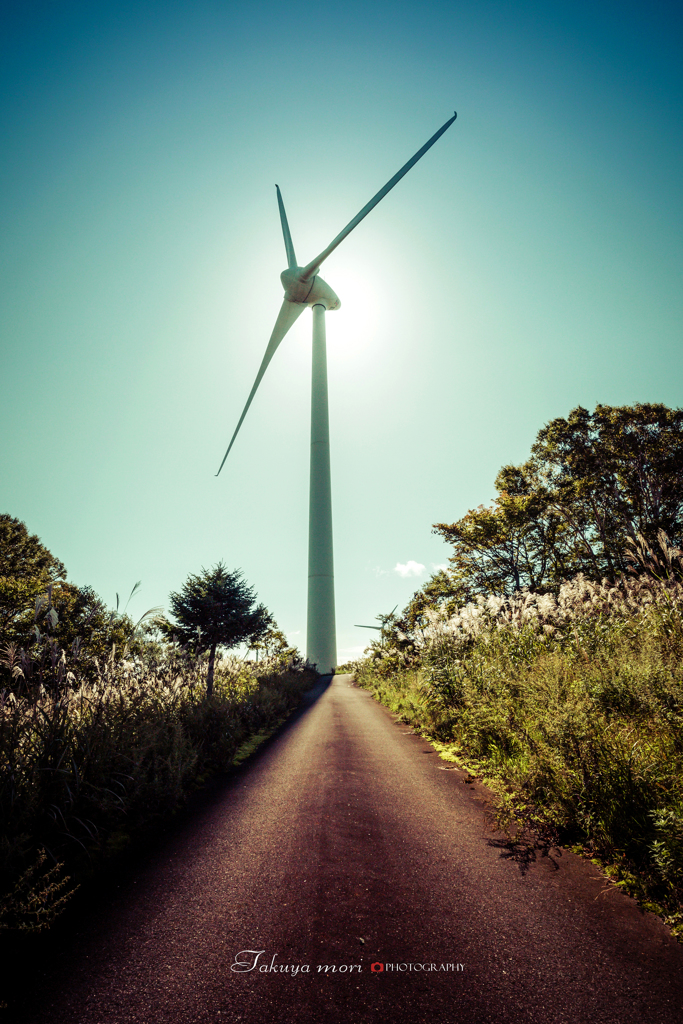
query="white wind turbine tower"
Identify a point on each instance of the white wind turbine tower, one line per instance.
(304, 288)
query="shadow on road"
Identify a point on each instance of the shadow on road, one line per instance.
(524, 851)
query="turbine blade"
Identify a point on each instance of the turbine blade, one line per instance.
(291, 258)
(289, 313)
(315, 264)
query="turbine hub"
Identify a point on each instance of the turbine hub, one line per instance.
(312, 292)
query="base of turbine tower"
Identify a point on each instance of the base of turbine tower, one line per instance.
(321, 645)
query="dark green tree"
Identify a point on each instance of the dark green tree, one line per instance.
(27, 569)
(516, 543)
(41, 613)
(597, 485)
(216, 608)
(23, 556)
(612, 475)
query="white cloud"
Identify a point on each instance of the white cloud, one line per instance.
(410, 568)
(437, 566)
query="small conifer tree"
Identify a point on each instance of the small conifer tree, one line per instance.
(216, 608)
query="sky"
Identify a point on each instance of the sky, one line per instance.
(528, 264)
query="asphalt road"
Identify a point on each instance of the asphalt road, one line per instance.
(344, 843)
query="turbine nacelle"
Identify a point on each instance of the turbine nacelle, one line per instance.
(307, 290)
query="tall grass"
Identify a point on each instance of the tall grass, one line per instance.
(571, 709)
(88, 764)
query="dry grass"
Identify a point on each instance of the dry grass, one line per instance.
(88, 764)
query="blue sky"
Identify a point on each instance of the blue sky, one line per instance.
(531, 262)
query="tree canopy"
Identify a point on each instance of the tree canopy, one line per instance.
(596, 484)
(41, 612)
(24, 557)
(27, 569)
(216, 608)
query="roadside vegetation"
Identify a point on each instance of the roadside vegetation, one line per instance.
(547, 659)
(106, 725)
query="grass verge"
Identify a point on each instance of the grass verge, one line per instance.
(578, 734)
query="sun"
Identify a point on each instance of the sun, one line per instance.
(353, 328)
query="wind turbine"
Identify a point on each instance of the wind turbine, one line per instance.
(304, 288)
(383, 619)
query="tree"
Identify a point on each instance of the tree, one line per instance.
(215, 608)
(83, 626)
(27, 569)
(612, 475)
(272, 642)
(41, 613)
(515, 543)
(595, 483)
(23, 556)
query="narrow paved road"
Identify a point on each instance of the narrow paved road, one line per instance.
(345, 843)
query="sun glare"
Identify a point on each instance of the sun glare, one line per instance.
(363, 293)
